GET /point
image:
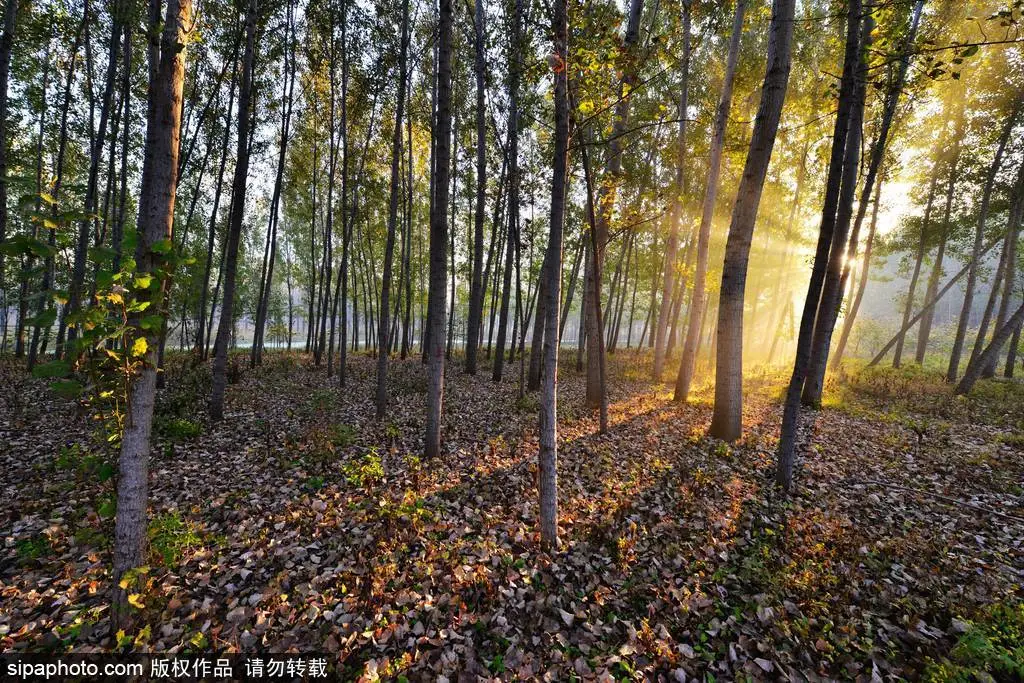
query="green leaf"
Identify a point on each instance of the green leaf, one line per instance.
(162, 247)
(142, 281)
(970, 51)
(55, 368)
(46, 318)
(138, 306)
(152, 322)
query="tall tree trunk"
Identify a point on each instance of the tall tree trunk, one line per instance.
(43, 310)
(438, 233)
(979, 237)
(95, 154)
(727, 422)
(839, 271)
(839, 181)
(270, 255)
(922, 243)
(672, 246)
(973, 372)
(606, 201)
(476, 293)
(691, 346)
(6, 46)
(389, 247)
(156, 219)
(548, 454)
(512, 214)
(851, 316)
(594, 292)
(924, 332)
(1010, 277)
(237, 215)
(204, 285)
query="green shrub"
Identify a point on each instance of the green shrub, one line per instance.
(177, 428)
(991, 647)
(170, 537)
(365, 472)
(29, 549)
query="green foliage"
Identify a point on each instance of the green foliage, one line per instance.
(177, 428)
(171, 536)
(84, 464)
(342, 435)
(33, 548)
(991, 648)
(365, 472)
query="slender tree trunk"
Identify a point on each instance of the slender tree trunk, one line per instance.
(43, 310)
(438, 236)
(727, 422)
(691, 346)
(671, 248)
(6, 47)
(973, 372)
(1010, 278)
(979, 237)
(237, 214)
(512, 215)
(156, 219)
(841, 175)
(267, 276)
(204, 285)
(605, 203)
(933, 280)
(476, 293)
(389, 248)
(908, 309)
(548, 455)
(865, 268)
(839, 273)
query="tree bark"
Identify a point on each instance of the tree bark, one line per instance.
(476, 293)
(237, 215)
(691, 345)
(672, 246)
(979, 237)
(438, 234)
(605, 205)
(841, 173)
(156, 219)
(727, 421)
(548, 455)
(389, 247)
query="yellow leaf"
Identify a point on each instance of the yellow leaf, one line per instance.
(140, 347)
(135, 601)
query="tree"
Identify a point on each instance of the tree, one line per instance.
(439, 233)
(606, 198)
(697, 302)
(389, 249)
(672, 245)
(727, 422)
(235, 217)
(548, 455)
(156, 219)
(839, 188)
(476, 294)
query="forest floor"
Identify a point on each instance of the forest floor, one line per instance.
(301, 524)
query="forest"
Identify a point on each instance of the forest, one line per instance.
(515, 340)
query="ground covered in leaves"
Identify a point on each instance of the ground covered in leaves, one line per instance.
(301, 524)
